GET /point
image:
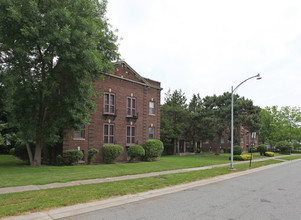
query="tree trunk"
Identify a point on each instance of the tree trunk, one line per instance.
(38, 154)
(218, 143)
(174, 146)
(29, 154)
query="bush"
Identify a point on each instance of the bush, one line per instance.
(198, 149)
(60, 161)
(72, 156)
(254, 149)
(91, 153)
(262, 148)
(269, 154)
(241, 157)
(12, 151)
(110, 152)
(246, 156)
(153, 149)
(284, 147)
(237, 150)
(135, 151)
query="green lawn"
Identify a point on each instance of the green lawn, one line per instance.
(291, 157)
(33, 201)
(14, 173)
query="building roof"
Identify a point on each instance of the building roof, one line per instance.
(140, 80)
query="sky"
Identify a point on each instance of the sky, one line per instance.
(206, 47)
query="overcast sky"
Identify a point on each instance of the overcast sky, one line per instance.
(207, 46)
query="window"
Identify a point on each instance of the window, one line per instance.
(151, 108)
(108, 134)
(131, 107)
(150, 133)
(222, 140)
(109, 103)
(130, 134)
(80, 134)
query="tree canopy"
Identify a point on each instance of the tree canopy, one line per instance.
(280, 124)
(50, 52)
(207, 118)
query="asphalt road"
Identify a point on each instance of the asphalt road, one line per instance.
(269, 194)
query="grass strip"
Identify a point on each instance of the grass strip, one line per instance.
(291, 157)
(14, 173)
(34, 201)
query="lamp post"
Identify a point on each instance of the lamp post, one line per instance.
(232, 116)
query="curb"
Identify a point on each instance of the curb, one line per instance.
(107, 203)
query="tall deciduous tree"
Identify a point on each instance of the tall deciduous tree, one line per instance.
(50, 52)
(280, 124)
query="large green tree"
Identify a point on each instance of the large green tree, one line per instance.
(218, 111)
(50, 52)
(174, 119)
(280, 124)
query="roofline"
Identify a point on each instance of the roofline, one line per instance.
(132, 81)
(145, 83)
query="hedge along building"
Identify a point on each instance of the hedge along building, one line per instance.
(128, 113)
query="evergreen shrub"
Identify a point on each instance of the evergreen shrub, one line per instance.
(135, 151)
(153, 149)
(262, 148)
(60, 161)
(237, 150)
(72, 156)
(91, 153)
(110, 152)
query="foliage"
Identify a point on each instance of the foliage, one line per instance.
(280, 124)
(91, 153)
(135, 151)
(262, 148)
(269, 154)
(12, 151)
(50, 53)
(284, 147)
(174, 119)
(241, 157)
(237, 150)
(72, 156)
(217, 111)
(153, 149)
(254, 149)
(60, 161)
(110, 152)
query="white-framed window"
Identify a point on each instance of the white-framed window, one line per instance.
(131, 107)
(80, 133)
(151, 133)
(109, 103)
(130, 135)
(151, 108)
(108, 134)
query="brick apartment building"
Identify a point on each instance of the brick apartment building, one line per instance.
(224, 144)
(128, 113)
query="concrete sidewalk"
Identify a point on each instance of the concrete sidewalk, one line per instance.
(69, 211)
(6, 190)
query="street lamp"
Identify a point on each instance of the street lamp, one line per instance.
(232, 102)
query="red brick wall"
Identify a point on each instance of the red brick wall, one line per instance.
(122, 90)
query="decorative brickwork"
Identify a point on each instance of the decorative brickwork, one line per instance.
(125, 83)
